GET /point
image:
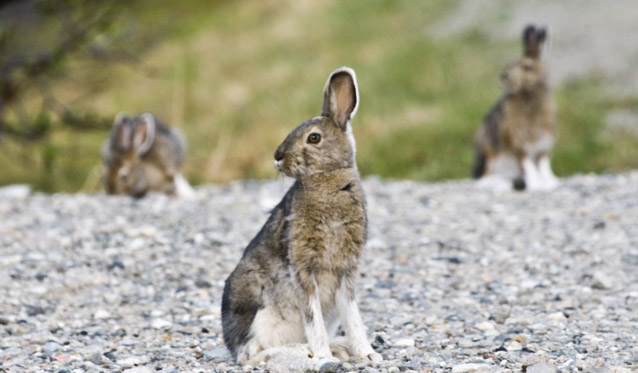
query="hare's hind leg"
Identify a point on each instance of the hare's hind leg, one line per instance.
(501, 170)
(550, 181)
(533, 180)
(294, 357)
(271, 327)
(182, 188)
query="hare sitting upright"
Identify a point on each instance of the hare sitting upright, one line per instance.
(514, 143)
(143, 155)
(295, 283)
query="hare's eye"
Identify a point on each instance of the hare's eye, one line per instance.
(527, 67)
(314, 138)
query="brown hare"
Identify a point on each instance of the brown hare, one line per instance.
(514, 143)
(295, 283)
(143, 155)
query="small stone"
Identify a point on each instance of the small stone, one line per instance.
(471, 368)
(141, 369)
(399, 320)
(16, 191)
(51, 346)
(404, 342)
(35, 310)
(96, 358)
(514, 346)
(215, 354)
(347, 367)
(557, 316)
(330, 367)
(540, 368)
(488, 328)
(132, 361)
(101, 314)
(161, 324)
(601, 281)
(394, 370)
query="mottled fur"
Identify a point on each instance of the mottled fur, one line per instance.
(295, 283)
(143, 155)
(517, 135)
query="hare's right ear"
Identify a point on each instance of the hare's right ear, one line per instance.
(341, 97)
(144, 134)
(121, 133)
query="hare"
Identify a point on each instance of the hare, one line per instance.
(514, 143)
(143, 155)
(295, 283)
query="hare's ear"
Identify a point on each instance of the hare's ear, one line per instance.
(121, 133)
(341, 97)
(533, 38)
(144, 133)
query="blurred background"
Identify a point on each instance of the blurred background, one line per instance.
(237, 76)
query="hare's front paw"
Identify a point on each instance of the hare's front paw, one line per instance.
(375, 357)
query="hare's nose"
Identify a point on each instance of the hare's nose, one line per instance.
(279, 155)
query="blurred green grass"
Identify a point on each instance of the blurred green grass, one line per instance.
(238, 76)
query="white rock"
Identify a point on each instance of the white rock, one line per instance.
(132, 361)
(16, 191)
(140, 369)
(404, 342)
(101, 314)
(160, 324)
(471, 368)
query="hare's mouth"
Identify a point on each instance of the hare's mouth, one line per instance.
(278, 166)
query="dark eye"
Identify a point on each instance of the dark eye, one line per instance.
(314, 138)
(527, 67)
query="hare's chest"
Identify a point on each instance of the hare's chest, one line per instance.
(330, 237)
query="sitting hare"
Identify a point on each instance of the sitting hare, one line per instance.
(517, 135)
(143, 155)
(295, 283)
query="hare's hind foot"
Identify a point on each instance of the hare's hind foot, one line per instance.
(341, 350)
(294, 357)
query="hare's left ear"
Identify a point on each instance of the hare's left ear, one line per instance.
(341, 97)
(144, 134)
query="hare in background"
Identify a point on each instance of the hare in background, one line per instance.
(514, 143)
(295, 283)
(143, 155)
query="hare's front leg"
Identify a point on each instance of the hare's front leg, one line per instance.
(312, 316)
(351, 320)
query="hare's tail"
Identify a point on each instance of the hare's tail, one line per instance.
(480, 161)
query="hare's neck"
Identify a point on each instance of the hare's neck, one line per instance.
(336, 179)
(539, 92)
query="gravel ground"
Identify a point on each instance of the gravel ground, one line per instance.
(453, 278)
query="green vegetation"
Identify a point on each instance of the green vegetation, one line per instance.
(238, 76)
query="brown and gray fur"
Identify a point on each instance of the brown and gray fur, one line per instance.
(518, 133)
(141, 155)
(295, 283)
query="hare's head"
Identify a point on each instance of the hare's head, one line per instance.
(324, 143)
(131, 140)
(527, 74)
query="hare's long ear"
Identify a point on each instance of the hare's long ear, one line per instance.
(144, 134)
(341, 97)
(533, 38)
(121, 133)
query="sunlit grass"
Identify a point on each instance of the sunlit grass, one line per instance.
(238, 76)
